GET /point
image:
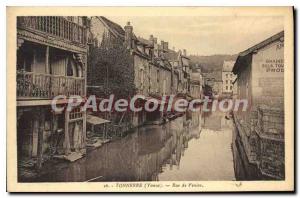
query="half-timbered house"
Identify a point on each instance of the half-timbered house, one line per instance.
(51, 61)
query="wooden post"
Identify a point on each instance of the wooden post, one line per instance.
(47, 60)
(54, 127)
(40, 138)
(84, 73)
(48, 84)
(84, 130)
(35, 132)
(67, 137)
(104, 131)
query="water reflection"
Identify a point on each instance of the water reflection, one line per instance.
(182, 149)
(209, 157)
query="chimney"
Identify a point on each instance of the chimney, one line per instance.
(156, 47)
(162, 46)
(151, 40)
(184, 52)
(167, 46)
(128, 34)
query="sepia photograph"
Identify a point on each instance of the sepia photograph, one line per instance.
(128, 100)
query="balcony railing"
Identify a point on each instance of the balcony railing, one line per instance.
(55, 26)
(46, 86)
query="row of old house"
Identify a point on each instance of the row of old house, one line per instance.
(82, 56)
(150, 67)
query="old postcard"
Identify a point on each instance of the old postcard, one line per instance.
(150, 99)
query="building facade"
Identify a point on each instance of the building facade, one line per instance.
(51, 61)
(181, 71)
(228, 78)
(260, 80)
(147, 65)
(195, 85)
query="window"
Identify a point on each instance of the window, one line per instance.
(226, 87)
(226, 75)
(226, 81)
(230, 88)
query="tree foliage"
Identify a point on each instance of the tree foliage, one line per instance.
(211, 63)
(110, 66)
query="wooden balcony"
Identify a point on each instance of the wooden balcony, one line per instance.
(46, 86)
(55, 26)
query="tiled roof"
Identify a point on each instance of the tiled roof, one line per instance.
(159, 61)
(243, 57)
(143, 41)
(185, 57)
(134, 37)
(262, 44)
(118, 31)
(138, 52)
(116, 28)
(172, 55)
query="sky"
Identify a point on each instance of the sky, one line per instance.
(205, 35)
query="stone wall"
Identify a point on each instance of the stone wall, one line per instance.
(262, 138)
(160, 81)
(270, 127)
(272, 158)
(141, 75)
(248, 136)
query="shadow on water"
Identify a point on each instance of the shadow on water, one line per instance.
(196, 147)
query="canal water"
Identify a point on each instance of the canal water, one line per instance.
(180, 150)
(208, 156)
